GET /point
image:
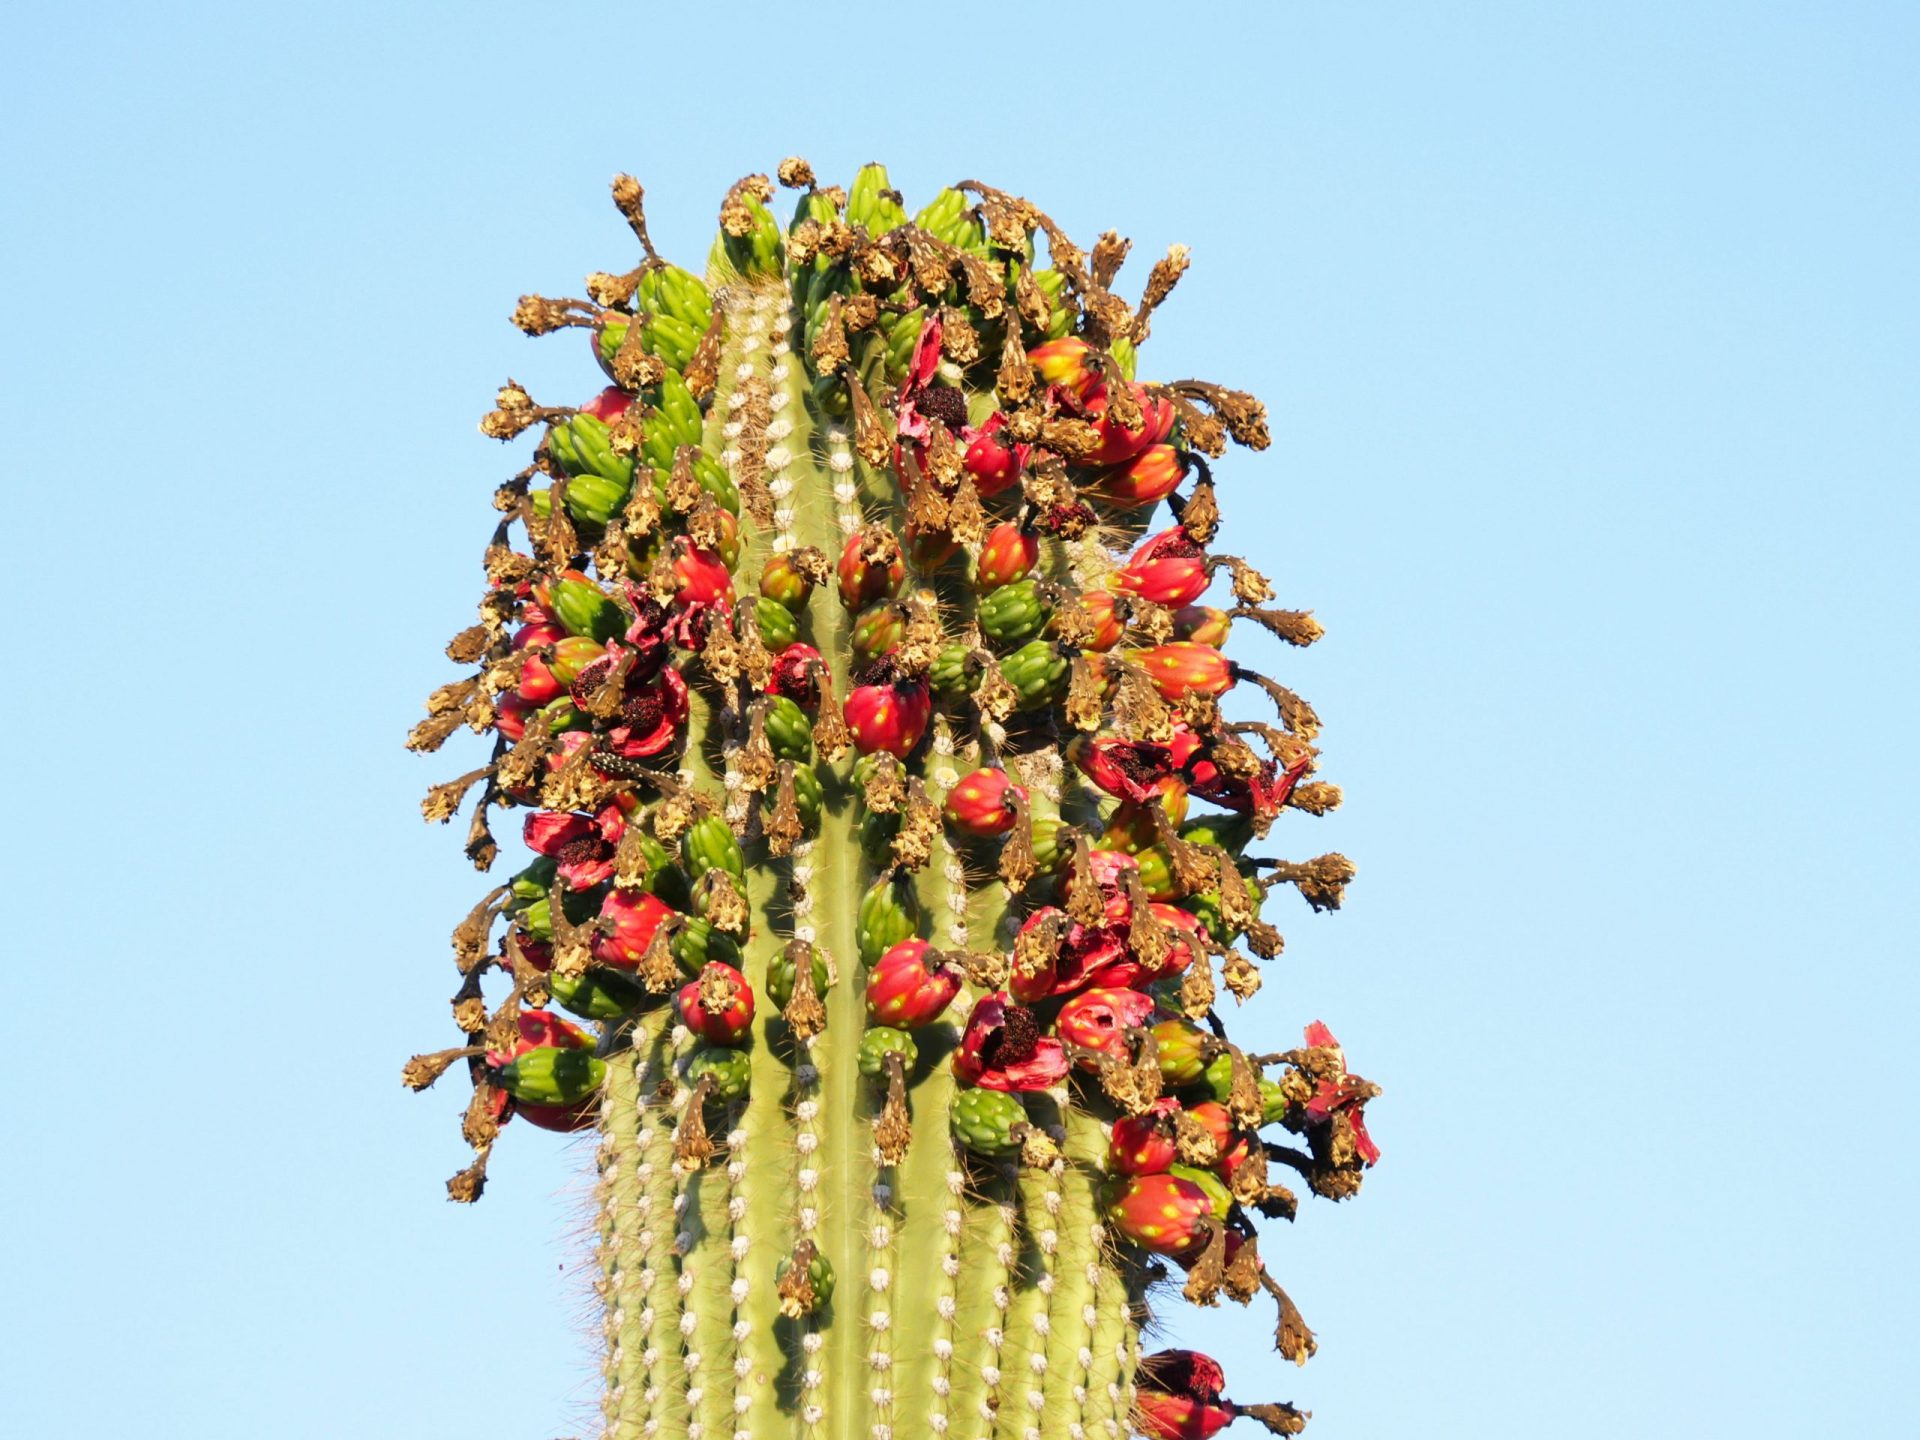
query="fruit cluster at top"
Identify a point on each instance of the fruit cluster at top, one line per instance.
(993, 466)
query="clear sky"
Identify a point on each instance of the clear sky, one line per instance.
(1589, 335)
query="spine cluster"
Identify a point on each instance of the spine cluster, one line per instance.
(890, 843)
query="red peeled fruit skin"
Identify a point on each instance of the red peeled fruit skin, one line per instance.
(1180, 1396)
(1065, 969)
(1119, 444)
(1145, 1144)
(1099, 1019)
(1129, 971)
(903, 992)
(583, 845)
(1003, 1049)
(651, 718)
(635, 915)
(1006, 555)
(793, 675)
(1160, 1213)
(718, 1007)
(1145, 480)
(993, 464)
(1168, 569)
(1132, 770)
(891, 716)
(981, 803)
(1181, 668)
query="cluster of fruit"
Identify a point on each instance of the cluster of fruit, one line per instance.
(969, 684)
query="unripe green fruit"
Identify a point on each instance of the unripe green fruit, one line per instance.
(780, 977)
(730, 1070)
(553, 1075)
(984, 1121)
(880, 1041)
(599, 993)
(778, 628)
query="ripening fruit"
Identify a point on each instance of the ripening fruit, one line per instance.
(982, 803)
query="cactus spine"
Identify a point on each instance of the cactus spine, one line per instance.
(881, 889)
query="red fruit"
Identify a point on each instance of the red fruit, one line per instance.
(542, 632)
(510, 715)
(1181, 668)
(782, 580)
(1107, 629)
(635, 916)
(1006, 555)
(903, 992)
(993, 464)
(1064, 362)
(871, 568)
(718, 1007)
(930, 549)
(609, 404)
(1119, 444)
(703, 575)
(1202, 624)
(1145, 480)
(1161, 1213)
(982, 803)
(1168, 569)
(1145, 1144)
(1099, 1019)
(1003, 1048)
(1179, 1396)
(888, 714)
(793, 675)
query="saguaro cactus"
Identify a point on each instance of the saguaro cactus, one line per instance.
(857, 711)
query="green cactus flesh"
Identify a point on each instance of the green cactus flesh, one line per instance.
(818, 1219)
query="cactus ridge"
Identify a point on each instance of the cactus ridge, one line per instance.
(857, 714)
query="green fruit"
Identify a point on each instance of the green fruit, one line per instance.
(532, 883)
(1182, 1047)
(583, 608)
(1013, 614)
(581, 446)
(1273, 1100)
(553, 1075)
(1048, 853)
(594, 499)
(820, 1272)
(780, 976)
(984, 1121)
(778, 628)
(889, 913)
(579, 906)
(696, 943)
(730, 1070)
(876, 831)
(880, 1041)
(809, 796)
(709, 845)
(955, 673)
(1038, 673)
(599, 994)
(789, 731)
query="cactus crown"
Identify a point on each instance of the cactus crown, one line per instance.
(857, 723)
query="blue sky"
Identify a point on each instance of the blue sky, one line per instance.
(1588, 334)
